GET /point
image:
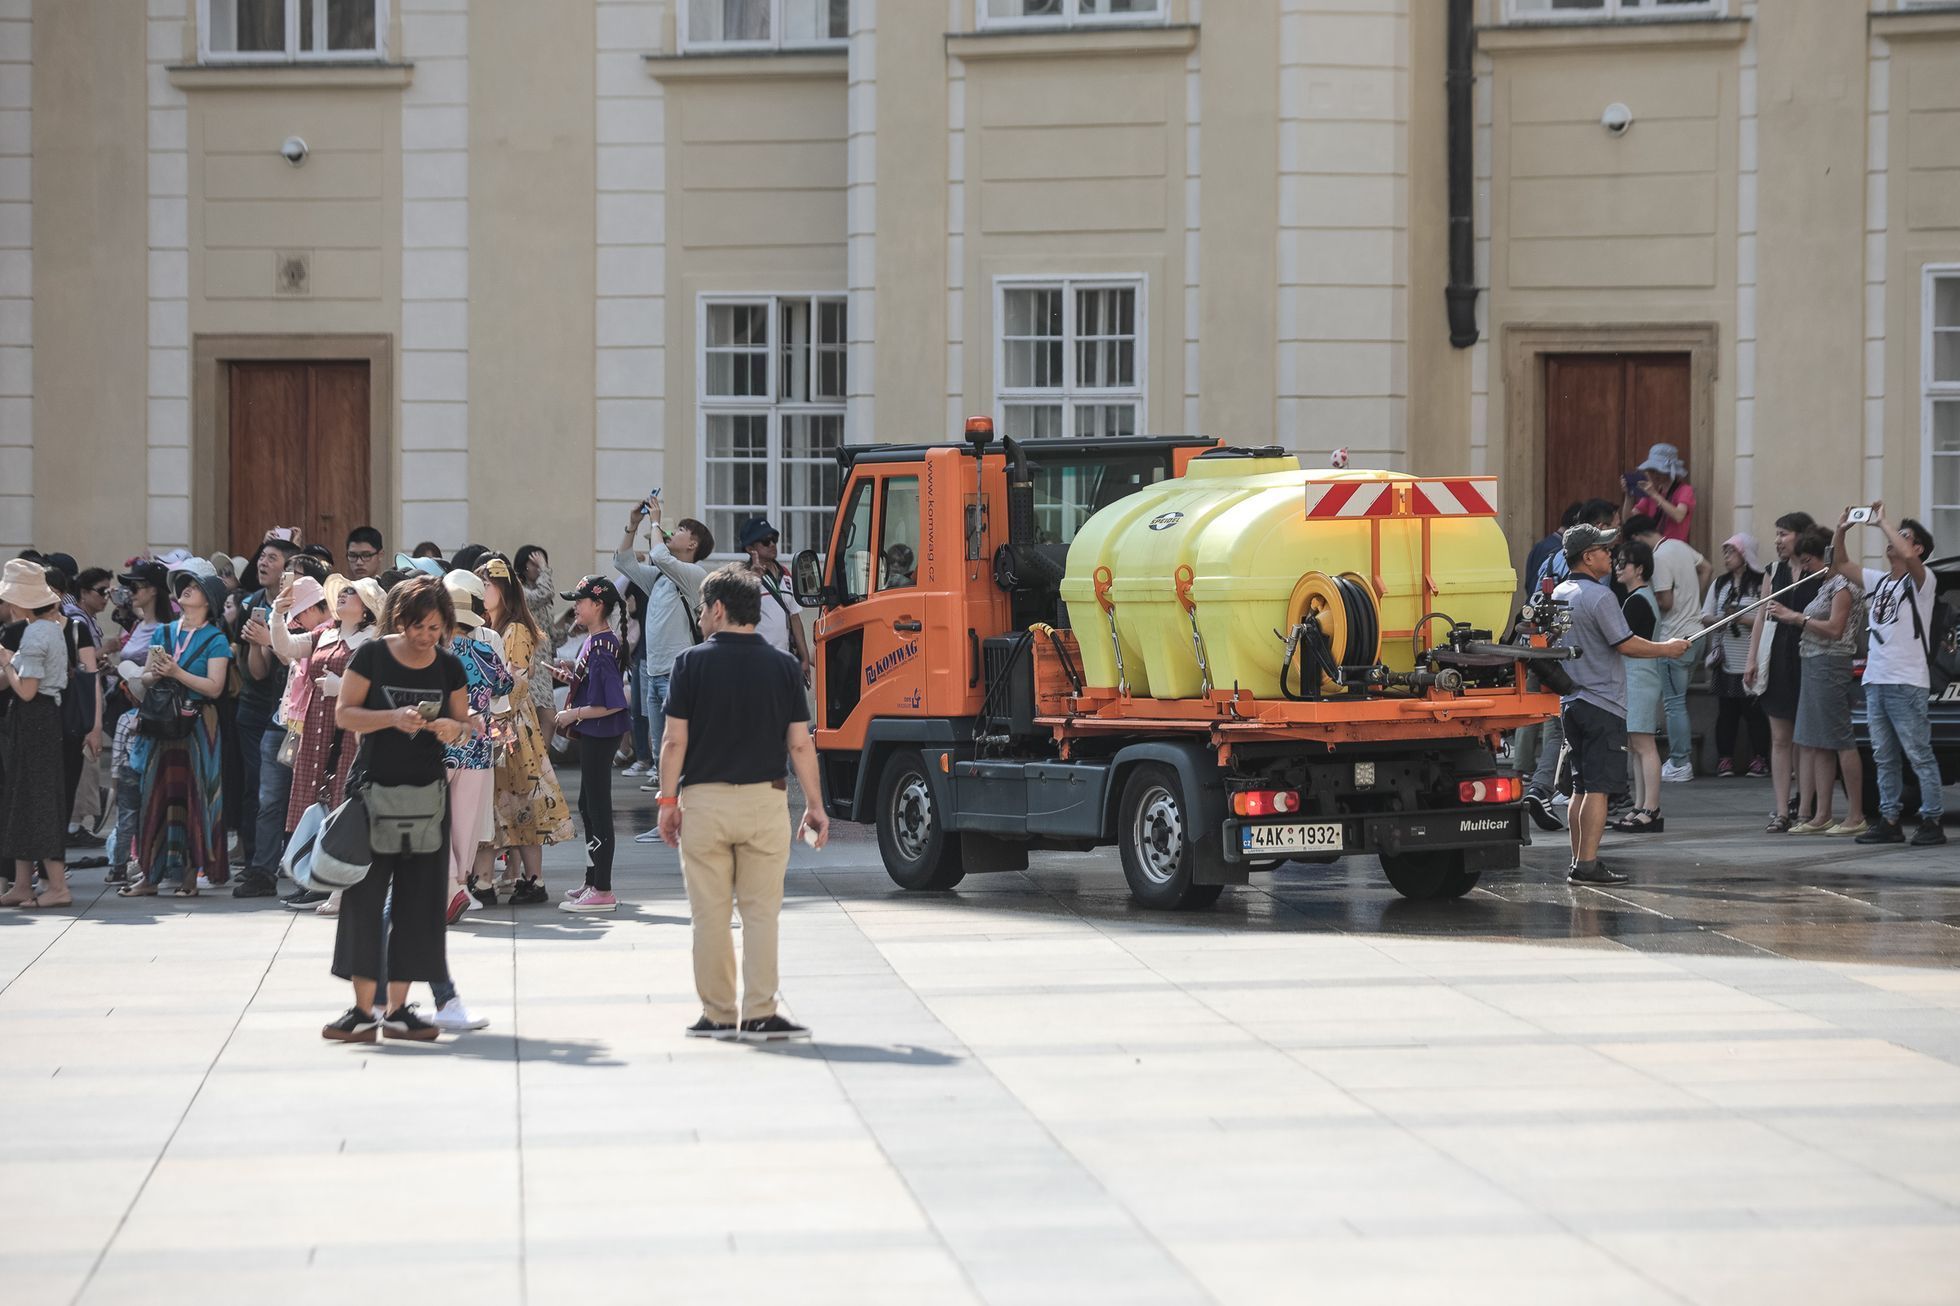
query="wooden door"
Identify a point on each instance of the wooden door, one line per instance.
(1603, 412)
(299, 451)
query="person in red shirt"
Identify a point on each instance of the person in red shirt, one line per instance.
(1664, 492)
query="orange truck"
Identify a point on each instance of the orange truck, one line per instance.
(1205, 655)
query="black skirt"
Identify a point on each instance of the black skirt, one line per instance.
(33, 826)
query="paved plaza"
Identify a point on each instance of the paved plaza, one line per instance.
(1735, 1080)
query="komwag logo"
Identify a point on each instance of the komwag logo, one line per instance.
(889, 663)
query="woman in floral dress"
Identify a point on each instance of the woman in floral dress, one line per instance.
(530, 806)
(470, 762)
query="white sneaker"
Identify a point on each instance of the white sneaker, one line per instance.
(453, 1015)
(637, 769)
(648, 836)
(1677, 774)
(652, 786)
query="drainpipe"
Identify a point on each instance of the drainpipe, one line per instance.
(1460, 296)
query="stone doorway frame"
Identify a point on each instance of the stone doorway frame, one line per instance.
(211, 420)
(1523, 349)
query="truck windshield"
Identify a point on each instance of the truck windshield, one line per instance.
(1068, 489)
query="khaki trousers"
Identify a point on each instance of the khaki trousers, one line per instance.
(734, 851)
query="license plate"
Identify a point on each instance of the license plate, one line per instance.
(1320, 838)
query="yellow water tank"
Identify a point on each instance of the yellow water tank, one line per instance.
(1239, 523)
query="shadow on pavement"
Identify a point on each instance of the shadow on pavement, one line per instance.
(486, 1046)
(898, 1054)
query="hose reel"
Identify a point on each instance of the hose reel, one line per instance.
(1334, 621)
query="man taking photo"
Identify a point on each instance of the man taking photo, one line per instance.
(1897, 683)
(736, 721)
(1595, 712)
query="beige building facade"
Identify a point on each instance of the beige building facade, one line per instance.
(492, 269)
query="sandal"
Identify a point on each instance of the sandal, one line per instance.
(1641, 820)
(1777, 825)
(137, 889)
(188, 889)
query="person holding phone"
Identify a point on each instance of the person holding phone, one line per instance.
(671, 574)
(1897, 681)
(596, 715)
(182, 791)
(1659, 488)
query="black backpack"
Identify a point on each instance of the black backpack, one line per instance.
(78, 700)
(1942, 644)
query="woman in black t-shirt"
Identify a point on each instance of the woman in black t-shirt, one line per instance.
(404, 695)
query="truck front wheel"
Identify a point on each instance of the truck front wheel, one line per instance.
(1429, 875)
(1154, 839)
(918, 850)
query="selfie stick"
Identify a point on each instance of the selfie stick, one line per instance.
(1745, 611)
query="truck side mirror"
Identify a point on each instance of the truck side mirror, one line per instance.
(806, 579)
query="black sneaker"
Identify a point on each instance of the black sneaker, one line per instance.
(772, 1029)
(406, 1023)
(483, 893)
(1882, 831)
(1595, 873)
(85, 839)
(354, 1026)
(254, 885)
(1541, 811)
(705, 1028)
(1928, 835)
(303, 899)
(528, 893)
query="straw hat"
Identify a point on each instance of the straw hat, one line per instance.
(368, 589)
(25, 585)
(466, 592)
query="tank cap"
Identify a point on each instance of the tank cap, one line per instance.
(1246, 451)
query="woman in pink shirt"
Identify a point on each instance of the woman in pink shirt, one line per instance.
(1666, 495)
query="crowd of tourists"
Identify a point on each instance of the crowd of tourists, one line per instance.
(1786, 643)
(175, 718)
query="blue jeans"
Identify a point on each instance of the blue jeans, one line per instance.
(653, 692)
(1551, 743)
(1901, 733)
(1675, 674)
(275, 787)
(129, 810)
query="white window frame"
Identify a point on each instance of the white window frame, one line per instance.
(1071, 16)
(690, 45)
(1616, 11)
(768, 405)
(292, 53)
(1070, 394)
(1932, 391)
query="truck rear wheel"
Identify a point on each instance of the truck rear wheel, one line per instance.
(1429, 875)
(919, 851)
(1153, 837)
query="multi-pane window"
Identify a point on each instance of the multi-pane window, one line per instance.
(772, 385)
(1580, 10)
(1064, 13)
(1940, 417)
(763, 24)
(291, 29)
(1070, 357)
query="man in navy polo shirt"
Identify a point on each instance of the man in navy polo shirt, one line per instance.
(736, 721)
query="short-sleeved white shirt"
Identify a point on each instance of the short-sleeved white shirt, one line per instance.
(1897, 652)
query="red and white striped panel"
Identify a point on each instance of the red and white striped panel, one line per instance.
(1461, 496)
(1349, 499)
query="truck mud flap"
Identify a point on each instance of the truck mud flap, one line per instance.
(1494, 835)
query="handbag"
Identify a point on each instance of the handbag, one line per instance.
(302, 859)
(406, 819)
(289, 748)
(167, 710)
(344, 850)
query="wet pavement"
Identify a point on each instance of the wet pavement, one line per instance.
(1735, 1079)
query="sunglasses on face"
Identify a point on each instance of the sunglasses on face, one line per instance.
(100, 591)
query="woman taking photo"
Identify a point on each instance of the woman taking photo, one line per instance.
(1827, 628)
(1663, 493)
(405, 696)
(596, 716)
(1733, 591)
(1780, 691)
(530, 806)
(33, 824)
(181, 796)
(1633, 567)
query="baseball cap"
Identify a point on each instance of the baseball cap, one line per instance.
(153, 574)
(594, 587)
(755, 530)
(1583, 538)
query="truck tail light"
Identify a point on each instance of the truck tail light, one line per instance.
(1491, 789)
(1266, 802)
